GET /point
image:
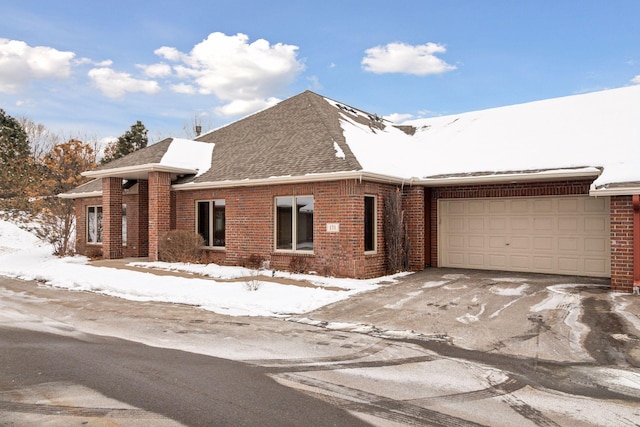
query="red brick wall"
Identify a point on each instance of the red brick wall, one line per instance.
(112, 218)
(137, 244)
(413, 205)
(250, 225)
(621, 243)
(159, 210)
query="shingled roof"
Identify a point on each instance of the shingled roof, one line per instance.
(296, 137)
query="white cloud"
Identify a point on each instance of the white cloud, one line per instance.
(419, 60)
(243, 74)
(636, 80)
(21, 63)
(184, 88)
(241, 106)
(156, 70)
(114, 84)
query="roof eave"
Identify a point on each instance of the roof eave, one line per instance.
(614, 191)
(501, 178)
(319, 177)
(138, 171)
(80, 195)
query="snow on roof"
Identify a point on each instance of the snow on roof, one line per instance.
(599, 129)
(188, 154)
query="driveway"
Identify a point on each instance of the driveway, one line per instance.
(439, 347)
(558, 318)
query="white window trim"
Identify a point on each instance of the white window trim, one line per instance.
(294, 226)
(375, 225)
(211, 221)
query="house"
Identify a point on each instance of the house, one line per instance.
(550, 186)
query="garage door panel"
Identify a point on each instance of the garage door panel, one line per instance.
(520, 243)
(595, 224)
(476, 242)
(520, 262)
(476, 260)
(476, 225)
(568, 244)
(542, 243)
(541, 224)
(497, 261)
(558, 235)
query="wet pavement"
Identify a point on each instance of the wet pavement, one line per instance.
(439, 347)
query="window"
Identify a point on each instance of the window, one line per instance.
(294, 223)
(94, 224)
(369, 223)
(211, 222)
(124, 225)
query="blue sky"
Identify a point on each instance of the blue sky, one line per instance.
(94, 68)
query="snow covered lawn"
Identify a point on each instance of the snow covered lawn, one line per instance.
(23, 256)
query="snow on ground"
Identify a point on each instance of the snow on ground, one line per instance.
(23, 256)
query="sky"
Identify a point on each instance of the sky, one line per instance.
(95, 68)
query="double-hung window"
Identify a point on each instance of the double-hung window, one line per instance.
(211, 222)
(294, 223)
(369, 224)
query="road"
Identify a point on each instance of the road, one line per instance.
(80, 357)
(189, 388)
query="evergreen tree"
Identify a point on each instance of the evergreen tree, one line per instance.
(132, 140)
(15, 162)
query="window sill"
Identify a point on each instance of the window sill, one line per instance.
(292, 252)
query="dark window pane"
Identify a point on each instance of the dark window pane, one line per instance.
(202, 221)
(304, 224)
(284, 222)
(219, 223)
(369, 223)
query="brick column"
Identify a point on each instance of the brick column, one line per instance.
(413, 205)
(621, 220)
(159, 210)
(143, 218)
(112, 218)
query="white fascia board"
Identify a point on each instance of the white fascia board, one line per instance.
(80, 195)
(614, 191)
(123, 172)
(320, 177)
(550, 175)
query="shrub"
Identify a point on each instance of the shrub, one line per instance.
(93, 253)
(298, 264)
(180, 246)
(253, 262)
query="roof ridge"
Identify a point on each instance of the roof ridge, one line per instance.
(337, 139)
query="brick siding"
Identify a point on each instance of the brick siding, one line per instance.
(250, 230)
(621, 221)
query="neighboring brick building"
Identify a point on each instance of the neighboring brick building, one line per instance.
(519, 189)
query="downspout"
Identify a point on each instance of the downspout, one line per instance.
(636, 241)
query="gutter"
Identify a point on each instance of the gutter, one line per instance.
(125, 171)
(614, 191)
(276, 180)
(548, 175)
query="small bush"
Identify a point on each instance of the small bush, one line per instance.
(180, 246)
(93, 253)
(298, 264)
(253, 262)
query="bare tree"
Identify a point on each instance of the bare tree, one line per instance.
(41, 140)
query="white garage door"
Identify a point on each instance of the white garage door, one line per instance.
(556, 235)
